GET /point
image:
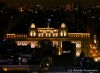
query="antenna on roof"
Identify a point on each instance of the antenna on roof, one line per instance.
(49, 20)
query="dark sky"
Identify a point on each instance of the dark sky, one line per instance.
(50, 2)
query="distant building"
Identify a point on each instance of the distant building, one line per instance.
(82, 40)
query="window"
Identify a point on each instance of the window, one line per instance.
(32, 33)
(61, 33)
(65, 33)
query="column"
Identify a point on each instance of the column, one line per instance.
(59, 48)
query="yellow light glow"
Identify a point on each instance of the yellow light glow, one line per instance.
(5, 69)
(56, 34)
(55, 30)
(10, 34)
(33, 45)
(59, 53)
(64, 33)
(96, 59)
(47, 64)
(49, 35)
(99, 58)
(61, 33)
(39, 35)
(51, 31)
(34, 33)
(77, 54)
(78, 45)
(93, 17)
(94, 55)
(79, 34)
(21, 9)
(44, 31)
(32, 25)
(63, 25)
(30, 33)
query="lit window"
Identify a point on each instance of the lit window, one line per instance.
(30, 33)
(61, 33)
(49, 34)
(18, 43)
(34, 34)
(56, 34)
(78, 45)
(44, 31)
(51, 31)
(39, 35)
(53, 34)
(64, 33)
(78, 53)
(46, 34)
(55, 43)
(32, 45)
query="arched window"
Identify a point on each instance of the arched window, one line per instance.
(63, 33)
(32, 33)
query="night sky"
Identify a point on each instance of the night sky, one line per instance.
(29, 3)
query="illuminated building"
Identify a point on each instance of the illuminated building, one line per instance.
(82, 40)
(94, 49)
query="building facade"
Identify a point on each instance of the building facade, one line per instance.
(82, 40)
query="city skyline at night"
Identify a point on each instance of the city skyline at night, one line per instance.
(49, 35)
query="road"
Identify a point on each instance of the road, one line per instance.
(36, 69)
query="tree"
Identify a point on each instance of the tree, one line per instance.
(47, 47)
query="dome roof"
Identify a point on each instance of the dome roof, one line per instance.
(63, 25)
(32, 25)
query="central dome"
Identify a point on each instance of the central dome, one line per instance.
(63, 25)
(32, 25)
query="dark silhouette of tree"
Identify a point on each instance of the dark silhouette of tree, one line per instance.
(47, 47)
(82, 54)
